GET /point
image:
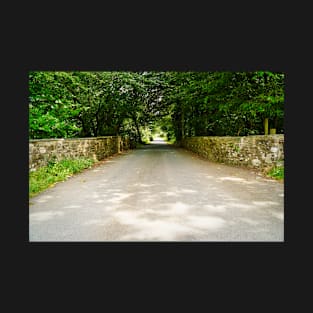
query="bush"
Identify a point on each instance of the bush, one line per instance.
(276, 172)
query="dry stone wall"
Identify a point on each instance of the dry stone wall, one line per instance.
(41, 151)
(261, 151)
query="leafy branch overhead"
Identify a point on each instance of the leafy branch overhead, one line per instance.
(85, 104)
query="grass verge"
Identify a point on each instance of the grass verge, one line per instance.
(47, 176)
(276, 172)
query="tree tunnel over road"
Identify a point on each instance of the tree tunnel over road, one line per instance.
(91, 104)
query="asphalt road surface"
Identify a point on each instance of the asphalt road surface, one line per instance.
(160, 193)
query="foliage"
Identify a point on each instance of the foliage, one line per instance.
(52, 105)
(85, 104)
(225, 103)
(54, 172)
(277, 172)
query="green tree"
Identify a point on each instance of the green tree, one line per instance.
(83, 104)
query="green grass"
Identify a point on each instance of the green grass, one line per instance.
(277, 172)
(47, 176)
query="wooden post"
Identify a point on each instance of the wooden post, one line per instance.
(183, 125)
(266, 126)
(118, 144)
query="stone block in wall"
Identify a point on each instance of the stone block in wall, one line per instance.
(255, 162)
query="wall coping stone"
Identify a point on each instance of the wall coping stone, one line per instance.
(84, 138)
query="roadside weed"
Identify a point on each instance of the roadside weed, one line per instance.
(47, 176)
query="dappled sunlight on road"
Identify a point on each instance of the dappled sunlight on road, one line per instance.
(168, 194)
(242, 206)
(188, 191)
(207, 223)
(249, 221)
(95, 222)
(177, 208)
(44, 216)
(72, 206)
(264, 203)
(155, 230)
(110, 190)
(239, 180)
(170, 222)
(99, 201)
(167, 219)
(158, 193)
(214, 208)
(166, 224)
(278, 215)
(144, 185)
(118, 197)
(44, 198)
(231, 179)
(148, 213)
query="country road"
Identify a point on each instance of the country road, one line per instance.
(160, 193)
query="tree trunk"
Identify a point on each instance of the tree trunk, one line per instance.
(138, 130)
(182, 125)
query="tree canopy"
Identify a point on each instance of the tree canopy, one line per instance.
(85, 104)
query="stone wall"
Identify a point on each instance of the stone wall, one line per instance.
(41, 151)
(261, 151)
